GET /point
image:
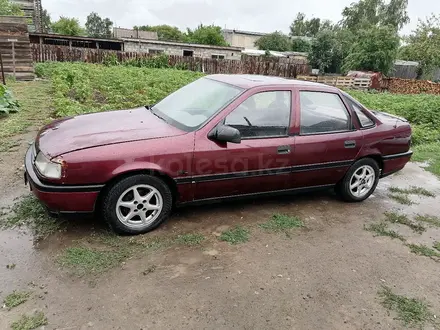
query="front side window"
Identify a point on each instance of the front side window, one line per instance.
(265, 114)
(192, 105)
(323, 113)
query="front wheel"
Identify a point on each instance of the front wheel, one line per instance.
(137, 204)
(360, 181)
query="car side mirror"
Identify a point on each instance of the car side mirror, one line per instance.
(225, 133)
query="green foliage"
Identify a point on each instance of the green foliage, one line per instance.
(30, 322)
(190, 239)
(164, 32)
(206, 35)
(301, 27)
(401, 198)
(300, 45)
(158, 62)
(8, 103)
(98, 27)
(412, 190)
(83, 88)
(366, 13)
(235, 235)
(413, 312)
(374, 50)
(16, 298)
(429, 153)
(276, 41)
(404, 220)
(110, 59)
(46, 20)
(423, 250)
(9, 8)
(282, 222)
(429, 219)
(68, 26)
(322, 50)
(381, 229)
(423, 45)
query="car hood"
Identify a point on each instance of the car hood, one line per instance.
(103, 128)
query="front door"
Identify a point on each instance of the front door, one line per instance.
(261, 162)
(327, 142)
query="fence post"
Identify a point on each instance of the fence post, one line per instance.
(2, 70)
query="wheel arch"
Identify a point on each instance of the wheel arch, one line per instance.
(153, 172)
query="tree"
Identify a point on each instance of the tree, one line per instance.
(68, 26)
(275, 41)
(301, 27)
(366, 13)
(300, 45)
(375, 50)
(423, 44)
(9, 8)
(322, 50)
(47, 23)
(98, 27)
(164, 32)
(206, 35)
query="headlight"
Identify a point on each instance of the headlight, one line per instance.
(49, 169)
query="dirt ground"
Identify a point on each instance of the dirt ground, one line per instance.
(324, 276)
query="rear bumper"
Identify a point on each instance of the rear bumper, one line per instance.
(60, 198)
(394, 163)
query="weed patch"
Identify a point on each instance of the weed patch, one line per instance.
(423, 250)
(413, 190)
(381, 229)
(436, 246)
(404, 220)
(429, 219)
(26, 322)
(412, 311)
(29, 212)
(429, 153)
(190, 239)
(236, 235)
(16, 298)
(282, 222)
(401, 198)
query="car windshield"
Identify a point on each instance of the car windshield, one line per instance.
(191, 106)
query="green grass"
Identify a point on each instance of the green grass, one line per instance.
(381, 229)
(413, 190)
(29, 212)
(402, 219)
(429, 219)
(436, 246)
(26, 322)
(85, 260)
(235, 235)
(401, 199)
(282, 222)
(36, 107)
(429, 153)
(413, 312)
(16, 298)
(190, 239)
(423, 250)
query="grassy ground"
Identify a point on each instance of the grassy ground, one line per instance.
(429, 153)
(36, 320)
(35, 109)
(16, 298)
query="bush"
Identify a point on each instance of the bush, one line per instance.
(8, 103)
(157, 62)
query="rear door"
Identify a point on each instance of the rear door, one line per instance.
(328, 140)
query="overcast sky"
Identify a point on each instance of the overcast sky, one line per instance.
(250, 15)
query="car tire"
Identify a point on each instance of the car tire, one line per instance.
(137, 204)
(360, 181)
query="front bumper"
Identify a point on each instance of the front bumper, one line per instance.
(60, 198)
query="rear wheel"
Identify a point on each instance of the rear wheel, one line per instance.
(360, 181)
(137, 204)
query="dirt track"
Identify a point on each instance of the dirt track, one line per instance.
(325, 276)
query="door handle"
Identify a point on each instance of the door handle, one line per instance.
(350, 144)
(283, 150)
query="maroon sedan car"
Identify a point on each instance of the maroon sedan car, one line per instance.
(220, 137)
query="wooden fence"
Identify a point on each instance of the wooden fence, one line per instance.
(249, 65)
(342, 82)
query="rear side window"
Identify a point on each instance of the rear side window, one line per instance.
(323, 113)
(364, 120)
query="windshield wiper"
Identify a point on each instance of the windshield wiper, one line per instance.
(154, 113)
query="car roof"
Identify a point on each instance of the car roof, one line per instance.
(248, 81)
